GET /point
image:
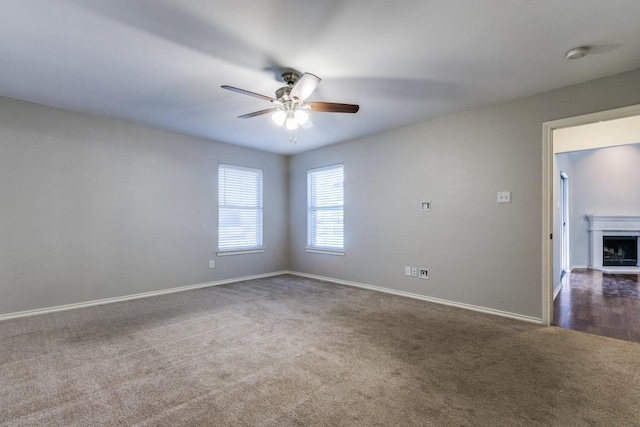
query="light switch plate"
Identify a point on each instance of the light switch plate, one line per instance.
(504, 196)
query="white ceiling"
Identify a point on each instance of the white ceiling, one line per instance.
(160, 63)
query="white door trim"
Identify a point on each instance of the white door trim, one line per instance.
(547, 192)
(564, 222)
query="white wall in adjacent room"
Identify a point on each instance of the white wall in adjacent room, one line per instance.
(603, 181)
(562, 165)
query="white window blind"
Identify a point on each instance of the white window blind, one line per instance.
(325, 211)
(239, 208)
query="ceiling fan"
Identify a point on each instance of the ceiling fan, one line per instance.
(291, 110)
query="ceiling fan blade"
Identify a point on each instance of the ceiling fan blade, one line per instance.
(258, 113)
(332, 107)
(305, 86)
(246, 92)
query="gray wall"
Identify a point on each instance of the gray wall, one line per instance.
(479, 252)
(93, 208)
(604, 181)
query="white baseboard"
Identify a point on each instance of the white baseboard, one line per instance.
(134, 296)
(579, 267)
(556, 290)
(260, 276)
(424, 298)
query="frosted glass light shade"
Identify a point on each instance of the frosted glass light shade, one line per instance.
(301, 117)
(291, 123)
(279, 117)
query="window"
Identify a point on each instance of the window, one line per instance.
(239, 209)
(325, 209)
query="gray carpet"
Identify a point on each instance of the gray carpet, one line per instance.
(287, 351)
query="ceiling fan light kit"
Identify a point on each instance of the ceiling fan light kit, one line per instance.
(290, 110)
(279, 117)
(301, 117)
(291, 123)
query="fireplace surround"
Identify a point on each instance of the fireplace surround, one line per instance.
(616, 228)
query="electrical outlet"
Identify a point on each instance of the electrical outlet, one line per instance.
(424, 273)
(211, 264)
(407, 271)
(504, 196)
(414, 272)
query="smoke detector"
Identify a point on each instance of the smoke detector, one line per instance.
(577, 52)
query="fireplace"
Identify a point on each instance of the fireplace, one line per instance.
(620, 251)
(614, 243)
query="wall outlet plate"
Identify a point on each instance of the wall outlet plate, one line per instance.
(504, 196)
(424, 273)
(407, 271)
(414, 272)
(425, 206)
(212, 264)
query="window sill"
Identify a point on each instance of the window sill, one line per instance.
(240, 252)
(325, 251)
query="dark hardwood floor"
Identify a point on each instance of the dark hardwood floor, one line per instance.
(599, 303)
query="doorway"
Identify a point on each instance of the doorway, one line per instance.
(601, 295)
(555, 254)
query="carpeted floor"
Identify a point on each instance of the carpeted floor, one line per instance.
(288, 351)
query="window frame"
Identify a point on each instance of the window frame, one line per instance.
(312, 235)
(223, 194)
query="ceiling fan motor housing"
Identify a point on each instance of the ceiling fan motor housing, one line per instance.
(290, 77)
(282, 94)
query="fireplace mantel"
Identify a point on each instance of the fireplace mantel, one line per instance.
(611, 225)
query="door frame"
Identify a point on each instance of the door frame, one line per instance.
(548, 161)
(564, 212)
